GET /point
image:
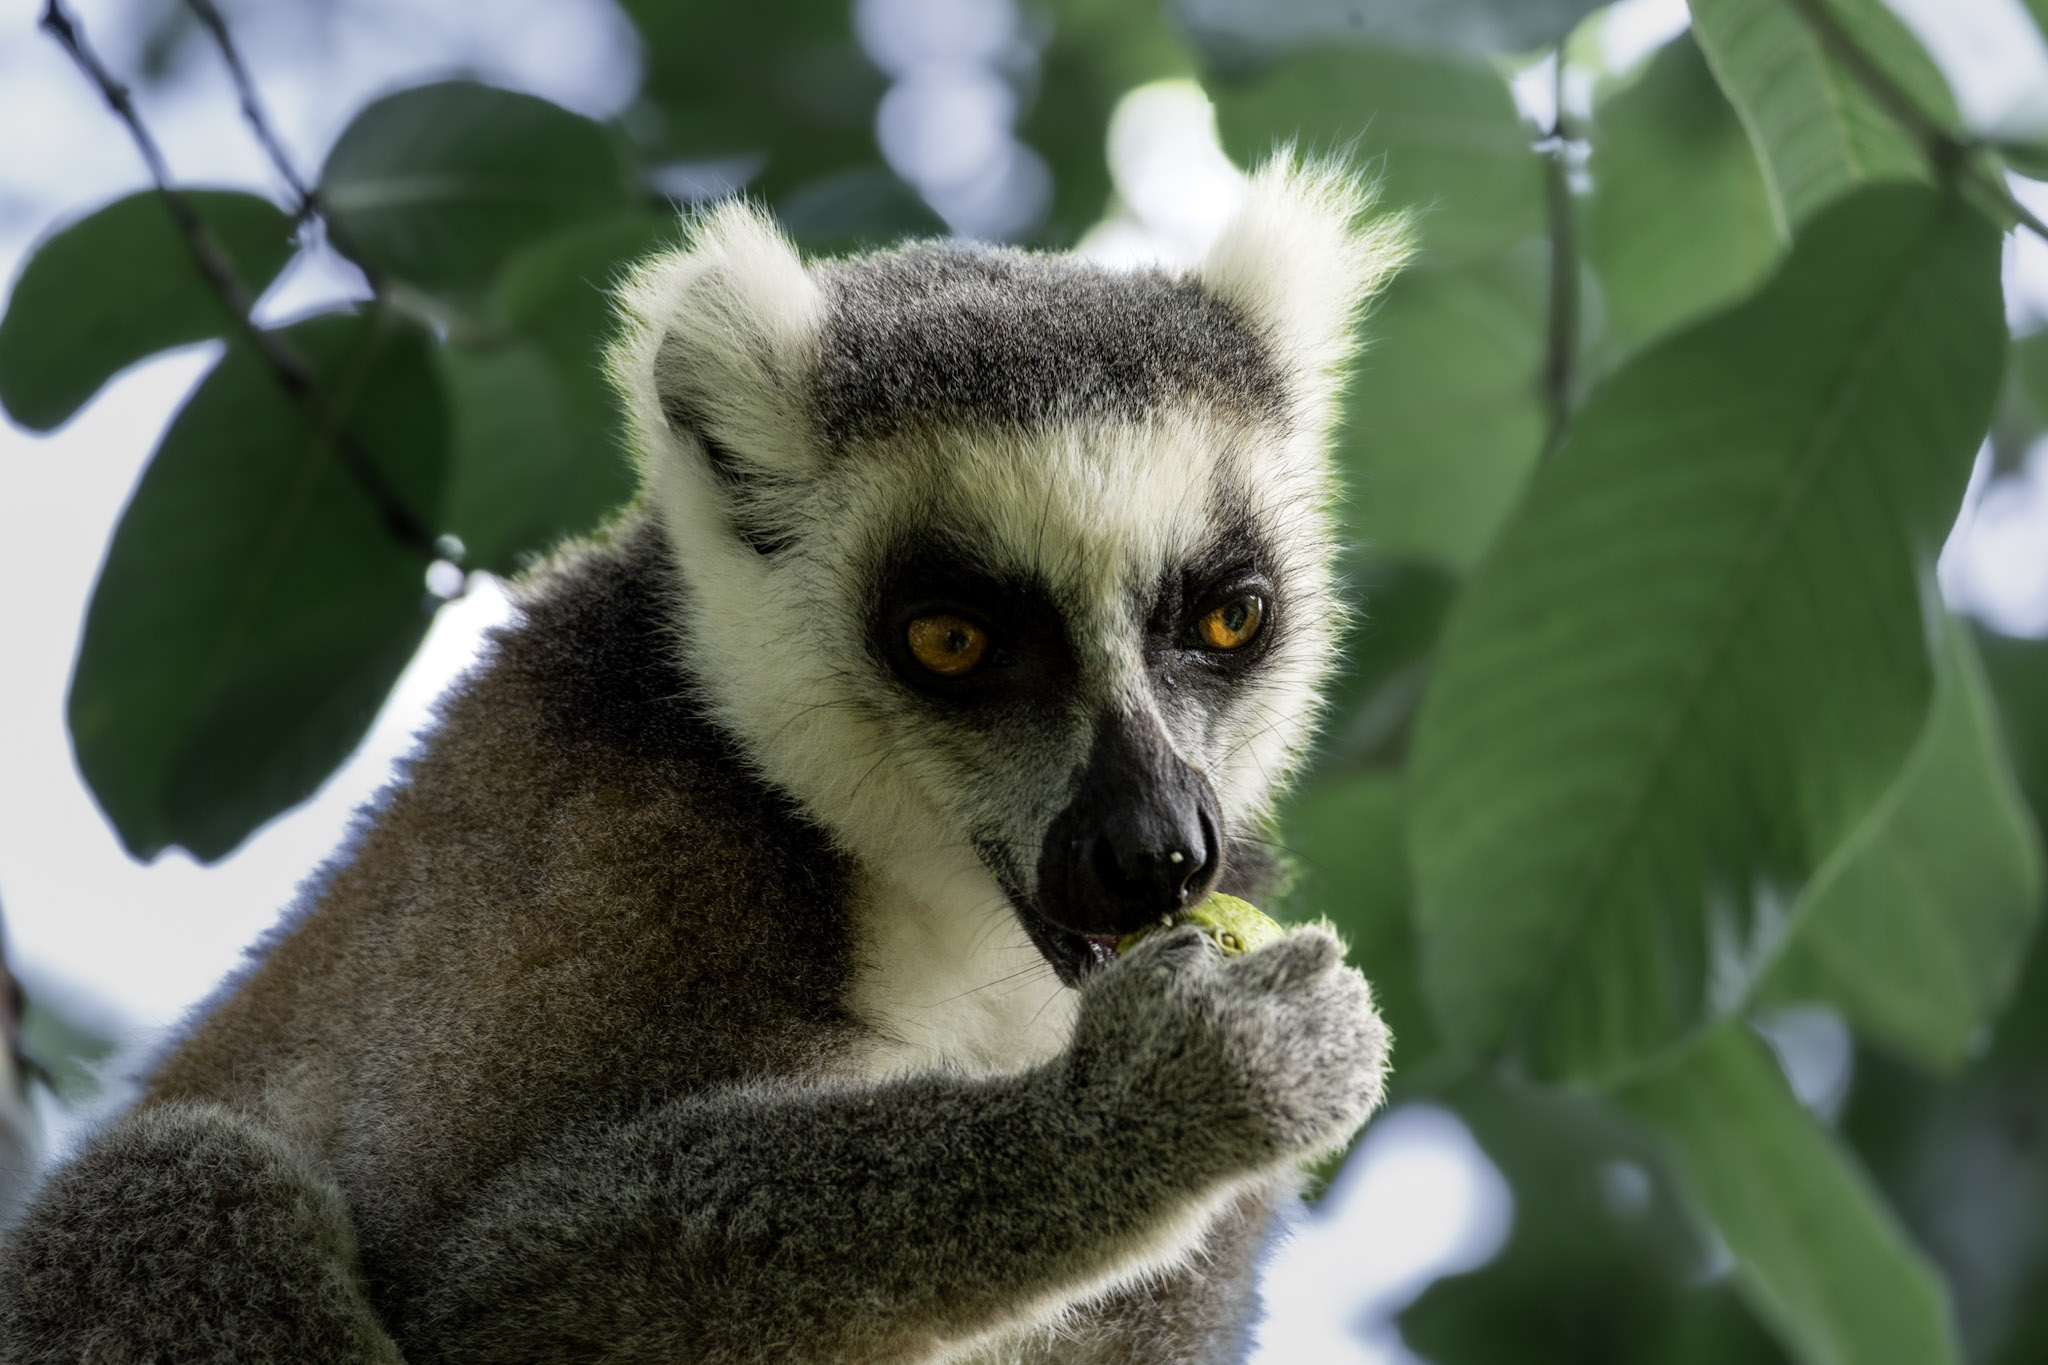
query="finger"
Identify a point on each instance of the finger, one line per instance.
(1300, 957)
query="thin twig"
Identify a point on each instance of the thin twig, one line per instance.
(1562, 341)
(308, 207)
(305, 205)
(218, 269)
(1951, 157)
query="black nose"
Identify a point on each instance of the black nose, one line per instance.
(1139, 840)
(1150, 861)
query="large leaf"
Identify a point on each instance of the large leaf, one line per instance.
(120, 285)
(1385, 662)
(538, 451)
(437, 185)
(1603, 1264)
(1443, 134)
(1815, 1249)
(784, 87)
(1697, 656)
(1232, 28)
(1819, 132)
(1679, 221)
(1445, 417)
(253, 609)
(1915, 928)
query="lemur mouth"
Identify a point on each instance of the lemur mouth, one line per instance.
(1072, 956)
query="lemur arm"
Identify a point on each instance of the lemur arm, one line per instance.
(887, 1222)
(793, 1224)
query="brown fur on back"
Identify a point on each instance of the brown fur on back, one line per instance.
(529, 929)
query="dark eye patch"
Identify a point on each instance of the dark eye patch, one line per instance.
(1031, 659)
(1231, 566)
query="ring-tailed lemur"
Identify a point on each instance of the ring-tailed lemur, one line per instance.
(731, 976)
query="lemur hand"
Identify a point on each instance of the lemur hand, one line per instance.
(1275, 1054)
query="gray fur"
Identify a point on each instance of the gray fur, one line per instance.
(936, 335)
(188, 1233)
(594, 1046)
(563, 1138)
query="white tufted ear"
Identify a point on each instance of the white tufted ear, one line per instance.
(718, 339)
(1300, 259)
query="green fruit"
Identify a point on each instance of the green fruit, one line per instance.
(1235, 926)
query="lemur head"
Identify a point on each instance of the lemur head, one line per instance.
(1013, 570)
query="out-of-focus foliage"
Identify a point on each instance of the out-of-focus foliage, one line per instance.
(1823, 1260)
(1634, 696)
(1679, 219)
(1819, 131)
(59, 342)
(1914, 928)
(1247, 28)
(253, 610)
(1652, 725)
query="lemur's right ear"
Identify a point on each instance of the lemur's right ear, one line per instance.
(718, 339)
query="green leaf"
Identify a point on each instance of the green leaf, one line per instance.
(538, 451)
(1679, 221)
(120, 285)
(1697, 655)
(1816, 1251)
(437, 185)
(253, 610)
(1818, 132)
(859, 208)
(1964, 1161)
(2029, 159)
(1233, 28)
(2018, 673)
(1445, 419)
(2022, 416)
(734, 80)
(71, 1054)
(1385, 662)
(1443, 134)
(1603, 1264)
(1916, 926)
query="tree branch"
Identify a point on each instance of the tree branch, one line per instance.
(1561, 344)
(209, 16)
(293, 375)
(1949, 155)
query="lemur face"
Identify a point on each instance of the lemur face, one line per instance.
(1012, 570)
(1091, 652)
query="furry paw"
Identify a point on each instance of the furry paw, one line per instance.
(1278, 1053)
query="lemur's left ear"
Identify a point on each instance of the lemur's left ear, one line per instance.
(1300, 259)
(717, 341)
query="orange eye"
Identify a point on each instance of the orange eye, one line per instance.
(947, 645)
(1234, 624)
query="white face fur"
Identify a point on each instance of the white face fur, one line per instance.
(1079, 464)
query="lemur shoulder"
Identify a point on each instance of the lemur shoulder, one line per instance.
(731, 974)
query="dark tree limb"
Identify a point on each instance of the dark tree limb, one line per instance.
(305, 201)
(293, 375)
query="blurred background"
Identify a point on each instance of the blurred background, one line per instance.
(1681, 790)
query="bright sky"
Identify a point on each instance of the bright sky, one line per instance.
(127, 948)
